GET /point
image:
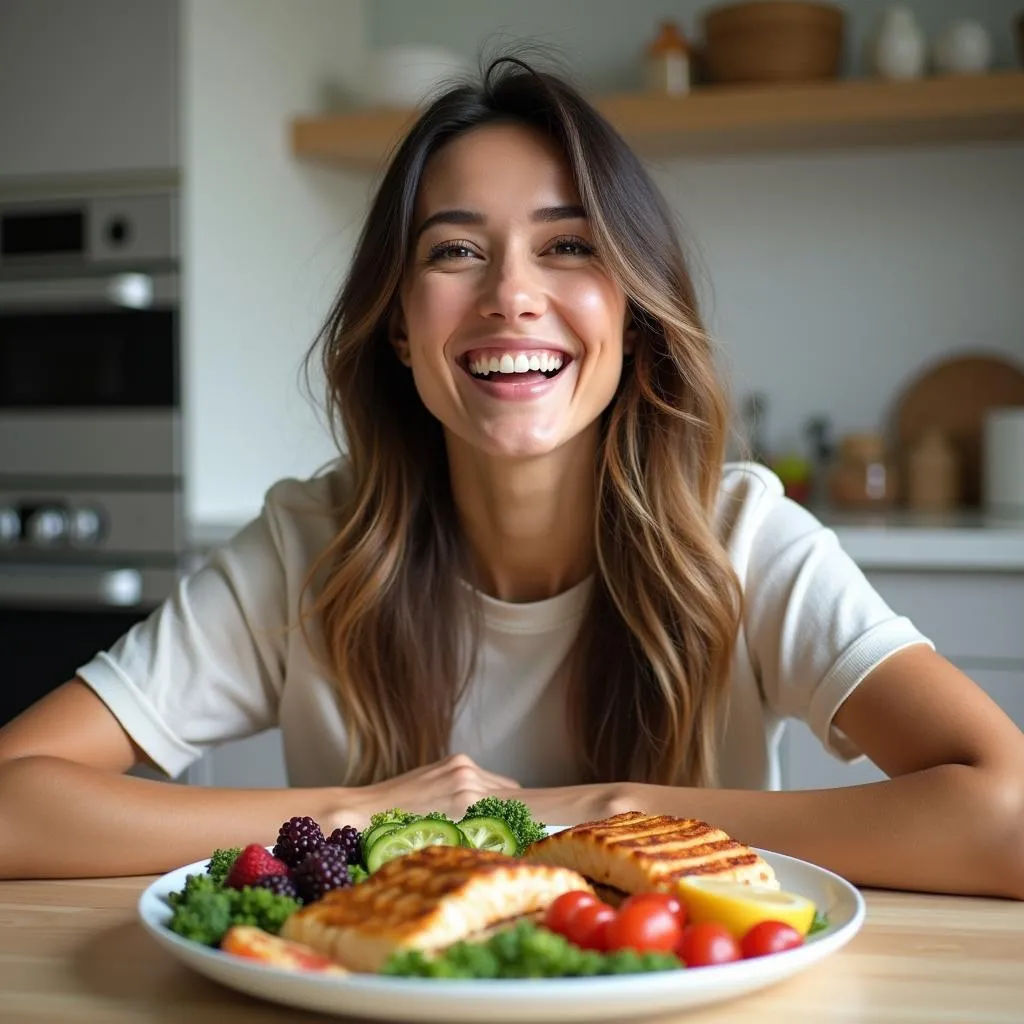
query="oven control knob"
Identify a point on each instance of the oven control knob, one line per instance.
(85, 525)
(10, 525)
(47, 526)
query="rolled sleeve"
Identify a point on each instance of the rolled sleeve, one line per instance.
(815, 626)
(207, 666)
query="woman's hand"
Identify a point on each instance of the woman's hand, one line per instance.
(449, 785)
(569, 805)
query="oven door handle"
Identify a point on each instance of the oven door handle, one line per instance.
(118, 291)
(78, 586)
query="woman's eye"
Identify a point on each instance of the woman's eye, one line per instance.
(571, 247)
(449, 251)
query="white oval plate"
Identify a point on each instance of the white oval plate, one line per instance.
(548, 999)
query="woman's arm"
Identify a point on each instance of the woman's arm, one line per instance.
(950, 818)
(68, 811)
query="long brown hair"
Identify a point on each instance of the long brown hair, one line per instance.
(650, 667)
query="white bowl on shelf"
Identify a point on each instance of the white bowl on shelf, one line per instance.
(407, 76)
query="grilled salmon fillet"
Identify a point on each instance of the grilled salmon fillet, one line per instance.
(426, 900)
(634, 851)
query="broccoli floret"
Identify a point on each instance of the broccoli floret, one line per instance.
(357, 873)
(193, 884)
(514, 813)
(202, 915)
(204, 910)
(439, 816)
(262, 908)
(395, 814)
(221, 863)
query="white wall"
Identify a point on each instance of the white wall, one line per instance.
(827, 280)
(266, 239)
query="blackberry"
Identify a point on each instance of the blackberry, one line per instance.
(347, 840)
(279, 885)
(296, 838)
(320, 872)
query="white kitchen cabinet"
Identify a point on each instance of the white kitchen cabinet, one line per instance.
(253, 763)
(974, 619)
(88, 87)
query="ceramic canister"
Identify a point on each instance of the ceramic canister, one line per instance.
(1004, 460)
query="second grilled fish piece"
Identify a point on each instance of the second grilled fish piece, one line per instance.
(426, 900)
(632, 852)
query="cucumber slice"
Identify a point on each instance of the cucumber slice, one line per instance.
(414, 836)
(370, 836)
(490, 834)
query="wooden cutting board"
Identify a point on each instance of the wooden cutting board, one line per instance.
(953, 397)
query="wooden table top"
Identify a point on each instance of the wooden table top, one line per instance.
(74, 951)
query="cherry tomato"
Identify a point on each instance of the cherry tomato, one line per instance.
(648, 926)
(564, 907)
(672, 903)
(588, 927)
(769, 937)
(707, 943)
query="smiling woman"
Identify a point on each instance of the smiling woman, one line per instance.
(531, 572)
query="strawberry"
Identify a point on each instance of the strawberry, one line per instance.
(252, 864)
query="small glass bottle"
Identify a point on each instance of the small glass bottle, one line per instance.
(668, 61)
(863, 477)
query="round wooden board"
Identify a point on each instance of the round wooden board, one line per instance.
(954, 397)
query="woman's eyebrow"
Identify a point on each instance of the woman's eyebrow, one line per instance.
(545, 215)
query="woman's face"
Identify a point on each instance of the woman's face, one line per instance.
(510, 322)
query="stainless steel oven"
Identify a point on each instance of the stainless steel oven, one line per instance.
(91, 533)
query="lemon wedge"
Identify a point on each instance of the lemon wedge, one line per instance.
(739, 907)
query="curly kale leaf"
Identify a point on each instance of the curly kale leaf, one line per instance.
(221, 863)
(514, 813)
(525, 951)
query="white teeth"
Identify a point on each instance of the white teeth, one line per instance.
(515, 362)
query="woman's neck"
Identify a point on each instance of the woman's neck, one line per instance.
(529, 522)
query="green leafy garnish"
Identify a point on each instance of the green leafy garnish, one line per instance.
(525, 951)
(819, 924)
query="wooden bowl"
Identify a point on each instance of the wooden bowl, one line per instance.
(773, 41)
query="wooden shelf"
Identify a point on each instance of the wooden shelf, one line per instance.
(726, 120)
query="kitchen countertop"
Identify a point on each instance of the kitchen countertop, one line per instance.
(75, 951)
(897, 540)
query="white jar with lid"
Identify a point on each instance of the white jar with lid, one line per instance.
(1003, 479)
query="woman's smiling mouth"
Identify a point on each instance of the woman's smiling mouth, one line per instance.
(514, 373)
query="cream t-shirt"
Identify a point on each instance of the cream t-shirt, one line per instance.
(222, 658)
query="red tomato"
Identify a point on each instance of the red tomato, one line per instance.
(648, 926)
(707, 943)
(672, 903)
(563, 908)
(588, 927)
(770, 937)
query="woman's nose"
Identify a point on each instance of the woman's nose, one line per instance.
(512, 289)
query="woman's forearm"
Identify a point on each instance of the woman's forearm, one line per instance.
(59, 819)
(951, 828)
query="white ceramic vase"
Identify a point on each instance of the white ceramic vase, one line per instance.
(899, 49)
(964, 47)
